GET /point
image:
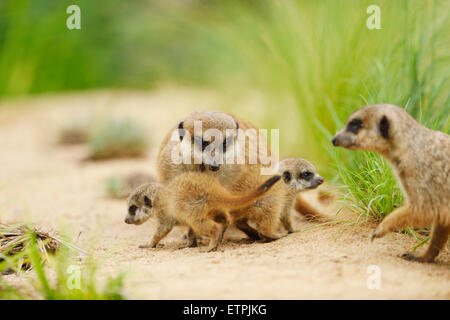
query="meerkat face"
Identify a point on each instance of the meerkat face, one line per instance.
(209, 132)
(369, 128)
(299, 174)
(140, 204)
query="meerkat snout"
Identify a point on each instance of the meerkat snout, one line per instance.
(317, 181)
(214, 167)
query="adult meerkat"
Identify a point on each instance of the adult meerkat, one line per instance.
(192, 199)
(235, 177)
(421, 160)
(266, 213)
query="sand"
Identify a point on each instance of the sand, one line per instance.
(49, 185)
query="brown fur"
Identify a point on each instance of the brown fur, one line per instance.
(266, 213)
(192, 199)
(235, 177)
(421, 160)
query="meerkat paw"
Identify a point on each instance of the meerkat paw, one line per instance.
(189, 245)
(147, 246)
(378, 233)
(209, 249)
(411, 257)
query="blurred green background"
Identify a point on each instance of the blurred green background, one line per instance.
(316, 58)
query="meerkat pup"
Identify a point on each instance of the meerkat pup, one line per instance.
(235, 177)
(421, 161)
(192, 199)
(265, 213)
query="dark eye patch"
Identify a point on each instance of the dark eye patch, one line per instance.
(306, 175)
(287, 176)
(181, 130)
(204, 144)
(147, 201)
(132, 210)
(384, 127)
(227, 143)
(200, 142)
(354, 125)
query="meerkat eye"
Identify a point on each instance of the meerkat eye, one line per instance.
(307, 175)
(287, 176)
(181, 130)
(204, 144)
(147, 201)
(132, 210)
(226, 143)
(198, 141)
(354, 125)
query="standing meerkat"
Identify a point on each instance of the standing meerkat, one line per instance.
(421, 161)
(192, 199)
(235, 177)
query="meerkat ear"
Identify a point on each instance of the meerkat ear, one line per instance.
(181, 130)
(287, 176)
(384, 127)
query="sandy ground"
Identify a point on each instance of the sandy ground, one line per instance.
(49, 185)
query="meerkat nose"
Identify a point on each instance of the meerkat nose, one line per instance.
(334, 141)
(213, 168)
(320, 180)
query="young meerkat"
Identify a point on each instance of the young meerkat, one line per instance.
(421, 161)
(235, 177)
(265, 213)
(192, 199)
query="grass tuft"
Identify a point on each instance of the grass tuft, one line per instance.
(115, 138)
(65, 279)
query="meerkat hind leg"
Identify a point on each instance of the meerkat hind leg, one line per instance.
(242, 225)
(439, 238)
(214, 228)
(192, 240)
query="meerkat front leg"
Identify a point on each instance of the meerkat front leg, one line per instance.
(439, 238)
(162, 230)
(216, 237)
(287, 222)
(398, 219)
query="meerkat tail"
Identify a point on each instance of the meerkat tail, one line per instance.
(236, 202)
(305, 209)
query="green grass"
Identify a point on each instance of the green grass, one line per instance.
(58, 281)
